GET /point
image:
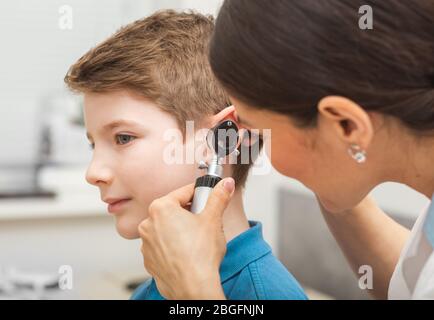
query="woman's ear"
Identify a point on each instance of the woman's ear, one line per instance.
(350, 122)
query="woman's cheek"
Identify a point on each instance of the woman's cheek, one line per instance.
(278, 155)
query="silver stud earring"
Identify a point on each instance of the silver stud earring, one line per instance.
(357, 153)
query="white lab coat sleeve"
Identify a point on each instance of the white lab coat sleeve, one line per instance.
(413, 277)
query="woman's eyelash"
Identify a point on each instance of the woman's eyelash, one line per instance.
(124, 138)
(91, 145)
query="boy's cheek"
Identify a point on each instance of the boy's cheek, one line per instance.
(139, 210)
(145, 191)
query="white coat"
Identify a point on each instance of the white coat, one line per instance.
(413, 277)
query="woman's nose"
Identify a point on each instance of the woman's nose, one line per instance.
(98, 172)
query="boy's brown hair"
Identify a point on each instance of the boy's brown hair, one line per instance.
(163, 58)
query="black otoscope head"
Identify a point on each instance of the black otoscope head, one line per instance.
(223, 138)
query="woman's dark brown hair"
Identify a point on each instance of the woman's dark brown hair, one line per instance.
(285, 55)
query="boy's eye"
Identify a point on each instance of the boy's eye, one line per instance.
(124, 138)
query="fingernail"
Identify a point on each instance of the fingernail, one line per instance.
(229, 185)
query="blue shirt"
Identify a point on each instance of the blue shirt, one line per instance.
(249, 271)
(429, 223)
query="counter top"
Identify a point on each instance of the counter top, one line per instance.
(71, 205)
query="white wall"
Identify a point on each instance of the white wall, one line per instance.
(35, 56)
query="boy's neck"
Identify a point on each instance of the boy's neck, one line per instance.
(234, 218)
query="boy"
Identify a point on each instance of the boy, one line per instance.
(151, 77)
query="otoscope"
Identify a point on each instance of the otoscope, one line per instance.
(222, 140)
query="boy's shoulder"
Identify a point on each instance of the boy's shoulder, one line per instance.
(147, 291)
(264, 279)
(249, 271)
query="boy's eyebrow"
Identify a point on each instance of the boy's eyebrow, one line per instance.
(117, 123)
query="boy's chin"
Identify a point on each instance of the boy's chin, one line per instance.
(127, 229)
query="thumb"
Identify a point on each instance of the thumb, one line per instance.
(220, 196)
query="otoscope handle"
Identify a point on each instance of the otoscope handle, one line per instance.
(202, 190)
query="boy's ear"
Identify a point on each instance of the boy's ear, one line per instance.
(225, 114)
(229, 113)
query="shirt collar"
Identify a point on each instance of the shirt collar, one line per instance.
(242, 250)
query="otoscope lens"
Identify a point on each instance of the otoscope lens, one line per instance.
(223, 138)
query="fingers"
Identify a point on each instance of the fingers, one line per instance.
(216, 204)
(179, 198)
(220, 197)
(183, 195)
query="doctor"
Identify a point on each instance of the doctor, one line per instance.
(348, 109)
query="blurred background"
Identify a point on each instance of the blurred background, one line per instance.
(50, 217)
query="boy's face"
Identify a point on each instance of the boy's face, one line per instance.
(127, 134)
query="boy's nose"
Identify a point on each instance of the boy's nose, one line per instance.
(98, 173)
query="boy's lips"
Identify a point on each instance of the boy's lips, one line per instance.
(116, 204)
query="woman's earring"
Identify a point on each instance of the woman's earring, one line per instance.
(357, 153)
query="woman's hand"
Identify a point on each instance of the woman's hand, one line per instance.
(183, 251)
